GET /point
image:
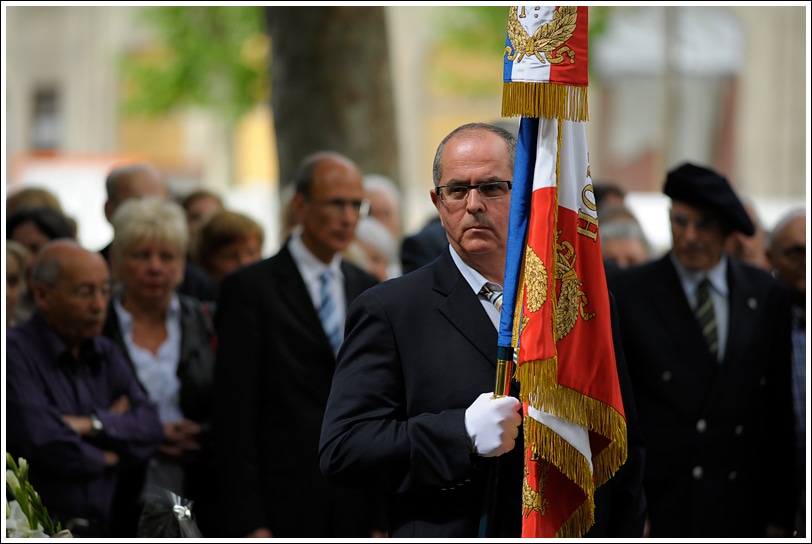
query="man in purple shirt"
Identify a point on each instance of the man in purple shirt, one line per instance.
(75, 410)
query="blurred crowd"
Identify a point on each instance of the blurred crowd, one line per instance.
(187, 314)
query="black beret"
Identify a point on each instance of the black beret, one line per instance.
(707, 189)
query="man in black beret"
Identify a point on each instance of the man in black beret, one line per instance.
(707, 341)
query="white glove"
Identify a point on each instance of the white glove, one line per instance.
(492, 424)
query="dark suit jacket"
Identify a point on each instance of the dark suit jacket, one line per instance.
(419, 350)
(273, 373)
(718, 436)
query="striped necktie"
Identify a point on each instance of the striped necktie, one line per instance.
(328, 314)
(493, 293)
(706, 317)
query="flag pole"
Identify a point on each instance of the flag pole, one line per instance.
(505, 354)
(501, 388)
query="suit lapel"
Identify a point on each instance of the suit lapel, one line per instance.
(672, 304)
(463, 309)
(292, 291)
(743, 305)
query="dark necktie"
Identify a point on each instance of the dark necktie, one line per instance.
(493, 293)
(706, 317)
(328, 314)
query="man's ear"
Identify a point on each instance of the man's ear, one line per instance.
(109, 209)
(434, 199)
(298, 205)
(41, 293)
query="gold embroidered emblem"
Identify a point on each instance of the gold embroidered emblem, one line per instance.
(535, 280)
(545, 40)
(571, 300)
(532, 500)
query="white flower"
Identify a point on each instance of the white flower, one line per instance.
(12, 481)
(17, 525)
(26, 510)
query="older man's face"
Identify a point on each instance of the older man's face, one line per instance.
(76, 306)
(331, 211)
(698, 235)
(477, 227)
(787, 254)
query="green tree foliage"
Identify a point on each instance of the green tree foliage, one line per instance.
(210, 56)
(475, 28)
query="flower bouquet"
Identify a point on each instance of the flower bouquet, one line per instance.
(26, 516)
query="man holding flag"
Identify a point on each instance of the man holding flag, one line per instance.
(412, 410)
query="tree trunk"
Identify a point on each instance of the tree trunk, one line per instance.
(331, 86)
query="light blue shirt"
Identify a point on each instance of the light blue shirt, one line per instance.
(720, 294)
(158, 372)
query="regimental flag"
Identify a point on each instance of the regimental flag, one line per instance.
(556, 313)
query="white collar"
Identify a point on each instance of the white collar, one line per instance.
(311, 266)
(690, 279)
(474, 278)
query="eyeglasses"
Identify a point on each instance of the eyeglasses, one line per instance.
(796, 253)
(336, 206)
(457, 194)
(703, 222)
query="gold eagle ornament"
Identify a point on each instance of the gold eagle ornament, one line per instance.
(545, 40)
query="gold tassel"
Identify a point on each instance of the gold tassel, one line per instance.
(579, 522)
(549, 100)
(536, 376)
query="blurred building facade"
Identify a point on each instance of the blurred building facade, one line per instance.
(721, 85)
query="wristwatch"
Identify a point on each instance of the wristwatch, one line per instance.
(96, 426)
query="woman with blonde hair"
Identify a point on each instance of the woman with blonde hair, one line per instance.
(167, 338)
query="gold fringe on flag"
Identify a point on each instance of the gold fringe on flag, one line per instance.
(548, 445)
(575, 467)
(550, 100)
(579, 521)
(580, 409)
(562, 454)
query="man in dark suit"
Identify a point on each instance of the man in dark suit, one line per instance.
(275, 364)
(715, 409)
(411, 411)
